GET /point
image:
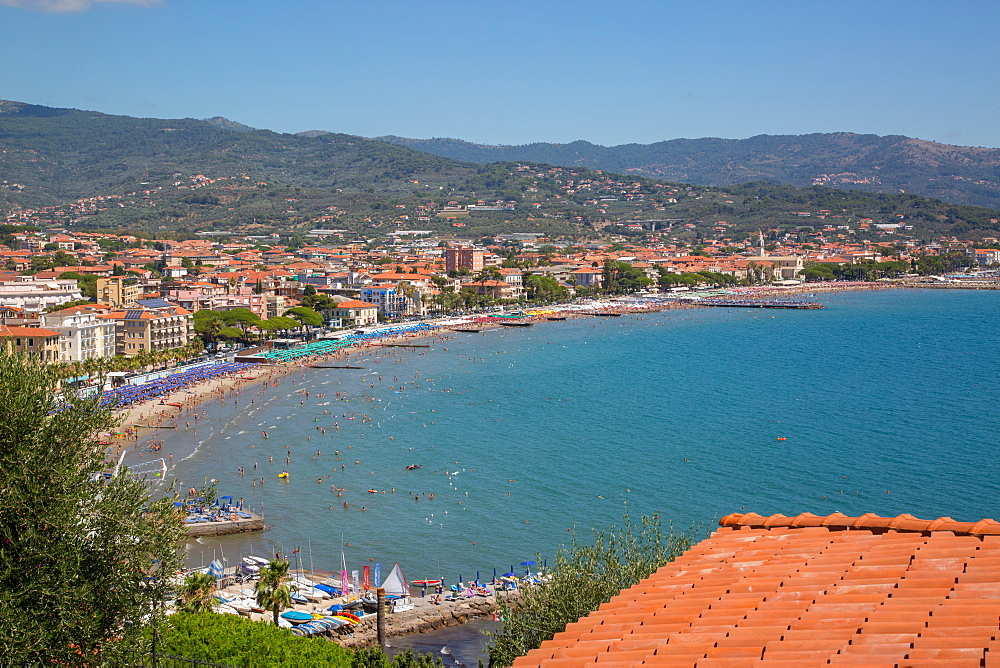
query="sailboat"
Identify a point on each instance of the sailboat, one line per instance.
(395, 586)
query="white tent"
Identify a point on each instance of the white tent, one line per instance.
(396, 584)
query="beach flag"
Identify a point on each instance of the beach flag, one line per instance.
(354, 579)
(366, 578)
(216, 570)
(378, 574)
(343, 583)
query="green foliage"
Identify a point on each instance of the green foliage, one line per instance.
(585, 576)
(274, 589)
(622, 278)
(544, 288)
(87, 283)
(231, 333)
(236, 641)
(196, 592)
(279, 323)
(66, 305)
(306, 316)
(72, 544)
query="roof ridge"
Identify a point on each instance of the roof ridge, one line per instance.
(868, 521)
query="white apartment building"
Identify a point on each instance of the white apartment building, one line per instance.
(33, 295)
(83, 334)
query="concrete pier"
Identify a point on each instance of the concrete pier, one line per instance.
(225, 527)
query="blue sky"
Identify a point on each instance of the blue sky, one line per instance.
(515, 72)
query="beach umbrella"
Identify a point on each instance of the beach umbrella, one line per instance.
(509, 574)
(494, 573)
(477, 577)
(528, 564)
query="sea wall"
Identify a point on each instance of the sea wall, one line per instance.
(421, 619)
(241, 525)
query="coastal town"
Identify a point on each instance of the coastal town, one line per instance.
(70, 296)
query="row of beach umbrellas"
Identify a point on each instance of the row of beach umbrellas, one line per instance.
(131, 394)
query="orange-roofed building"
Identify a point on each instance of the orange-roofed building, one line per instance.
(804, 591)
(151, 325)
(33, 341)
(355, 313)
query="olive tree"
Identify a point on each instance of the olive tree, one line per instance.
(83, 554)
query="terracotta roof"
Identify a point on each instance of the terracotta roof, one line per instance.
(805, 590)
(6, 332)
(838, 521)
(355, 303)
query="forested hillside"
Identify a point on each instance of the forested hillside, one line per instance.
(152, 176)
(965, 175)
(48, 156)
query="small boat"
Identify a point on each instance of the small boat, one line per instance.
(332, 591)
(556, 317)
(296, 617)
(258, 561)
(299, 598)
(252, 569)
(283, 474)
(373, 491)
(348, 616)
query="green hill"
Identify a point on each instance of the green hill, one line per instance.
(965, 175)
(63, 154)
(154, 176)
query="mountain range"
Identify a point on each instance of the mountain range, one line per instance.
(959, 174)
(148, 175)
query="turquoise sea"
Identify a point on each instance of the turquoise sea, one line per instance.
(888, 401)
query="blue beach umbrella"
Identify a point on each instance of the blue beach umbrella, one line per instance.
(528, 564)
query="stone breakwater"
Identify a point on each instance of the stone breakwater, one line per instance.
(424, 617)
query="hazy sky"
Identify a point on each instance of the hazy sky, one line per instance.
(513, 72)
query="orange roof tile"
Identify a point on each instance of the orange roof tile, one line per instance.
(805, 590)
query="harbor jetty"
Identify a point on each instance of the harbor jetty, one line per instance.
(422, 618)
(198, 526)
(758, 303)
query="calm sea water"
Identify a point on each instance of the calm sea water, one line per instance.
(888, 401)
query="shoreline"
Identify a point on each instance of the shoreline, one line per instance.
(158, 414)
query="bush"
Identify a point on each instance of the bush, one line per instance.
(235, 641)
(584, 578)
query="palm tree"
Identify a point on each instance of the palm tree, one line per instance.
(273, 590)
(196, 592)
